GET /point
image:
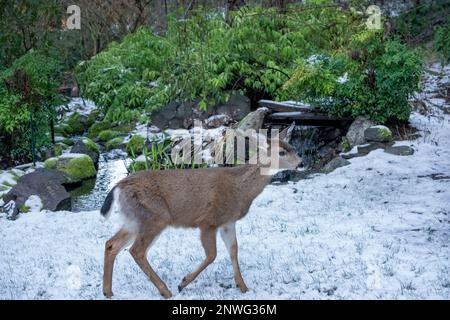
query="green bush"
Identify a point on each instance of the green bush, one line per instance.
(373, 78)
(442, 41)
(28, 90)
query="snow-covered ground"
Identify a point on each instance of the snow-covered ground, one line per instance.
(377, 229)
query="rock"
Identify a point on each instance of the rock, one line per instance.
(75, 92)
(76, 167)
(77, 124)
(217, 121)
(116, 143)
(46, 184)
(290, 175)
(355, 134)
(367, 148)
(96, 128)
(254, 120)
(176, 115)
(400, 150)
(107, 135)
(334, 164)
(378, 134)
(88, 147)
(237, 107)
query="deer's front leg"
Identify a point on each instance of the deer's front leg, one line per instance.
(228, 234)
(208, 238)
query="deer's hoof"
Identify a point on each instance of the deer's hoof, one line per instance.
(108, 294)
(243, 288)
(166, 294)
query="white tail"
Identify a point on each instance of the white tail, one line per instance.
(209, 199)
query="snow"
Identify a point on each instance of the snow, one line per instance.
(34, 203)
(376, 229)
(77, 105)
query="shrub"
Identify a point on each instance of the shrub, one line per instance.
(442, 41)
(136, 145)
(373, 78)
(28, 94)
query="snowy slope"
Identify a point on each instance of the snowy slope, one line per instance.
(378, 228)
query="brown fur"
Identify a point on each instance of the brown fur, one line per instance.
(208, 199)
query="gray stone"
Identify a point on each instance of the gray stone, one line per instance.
(291, 175)
(355, 134)
(400, 150)
(176, 115)
(367, 148)
(334, 164)
(80, 147)
(254, 120)
(217, 121)
(46, 184)
(378, 134)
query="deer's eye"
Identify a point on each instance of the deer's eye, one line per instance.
(282, 153)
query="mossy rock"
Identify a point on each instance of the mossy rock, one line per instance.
(378, 134)
(116, 143)
(76, 167)
(98, 127)
(61, 130)
(91, 145)
(107, 135)
(76, 124)
(68, 142)
(92, 117)
(136, 145)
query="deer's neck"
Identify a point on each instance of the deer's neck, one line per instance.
(252, 183)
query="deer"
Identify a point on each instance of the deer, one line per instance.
(211, 199)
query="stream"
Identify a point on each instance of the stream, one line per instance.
(90, 196)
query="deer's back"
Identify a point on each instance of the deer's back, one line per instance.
(187, 198)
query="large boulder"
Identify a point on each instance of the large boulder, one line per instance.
(44, 183)
(176, 115)
(88, 147)
(75, 166)
(378, 134)
(355, 133)
(76, 124)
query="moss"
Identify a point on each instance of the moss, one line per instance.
(115, 143)
(93, 117)
(78, 168)
(136, 145)
(58, 149)
(98, 127)
(345, 145)
(107, 135)
(68, 142)
(91, 145)
(24, 209)
(386, 134)
(74, 125)
(61, 130)
(51, 163)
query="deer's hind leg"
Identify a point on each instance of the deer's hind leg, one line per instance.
(112, 247)
(228, 234)
(139, 252)
(208, 238)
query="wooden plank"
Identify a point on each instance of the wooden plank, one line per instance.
(287, 106)
(306, 118)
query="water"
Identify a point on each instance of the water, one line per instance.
(90, 196)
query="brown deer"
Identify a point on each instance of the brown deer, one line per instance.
(209, 199)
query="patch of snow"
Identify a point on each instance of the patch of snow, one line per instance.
(342, 79)
(77, 105)
(34, 203)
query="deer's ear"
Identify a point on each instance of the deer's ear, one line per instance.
(286, 134)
